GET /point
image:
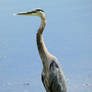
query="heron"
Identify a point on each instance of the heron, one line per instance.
(52, 75)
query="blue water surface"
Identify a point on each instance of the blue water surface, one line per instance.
(68, 36)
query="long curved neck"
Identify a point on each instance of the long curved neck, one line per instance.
(40, 43)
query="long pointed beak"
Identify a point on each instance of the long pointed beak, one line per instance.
(24, 13)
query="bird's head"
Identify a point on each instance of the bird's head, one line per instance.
(35, 12)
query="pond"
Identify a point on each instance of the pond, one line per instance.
(67, 35)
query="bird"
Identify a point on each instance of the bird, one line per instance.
(52, 74)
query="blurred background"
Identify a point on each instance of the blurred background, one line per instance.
(68, 36)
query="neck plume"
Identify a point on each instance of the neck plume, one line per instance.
(40, 43)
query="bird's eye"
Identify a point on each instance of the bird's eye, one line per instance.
(53, 64)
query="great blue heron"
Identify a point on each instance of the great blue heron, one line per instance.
(52, 75)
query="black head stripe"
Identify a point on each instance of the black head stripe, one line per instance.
(39, 10)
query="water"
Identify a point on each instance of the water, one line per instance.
(68, 35)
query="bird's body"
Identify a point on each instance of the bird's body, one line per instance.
(52, 75)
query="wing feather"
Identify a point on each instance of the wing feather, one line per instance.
(56, 80)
